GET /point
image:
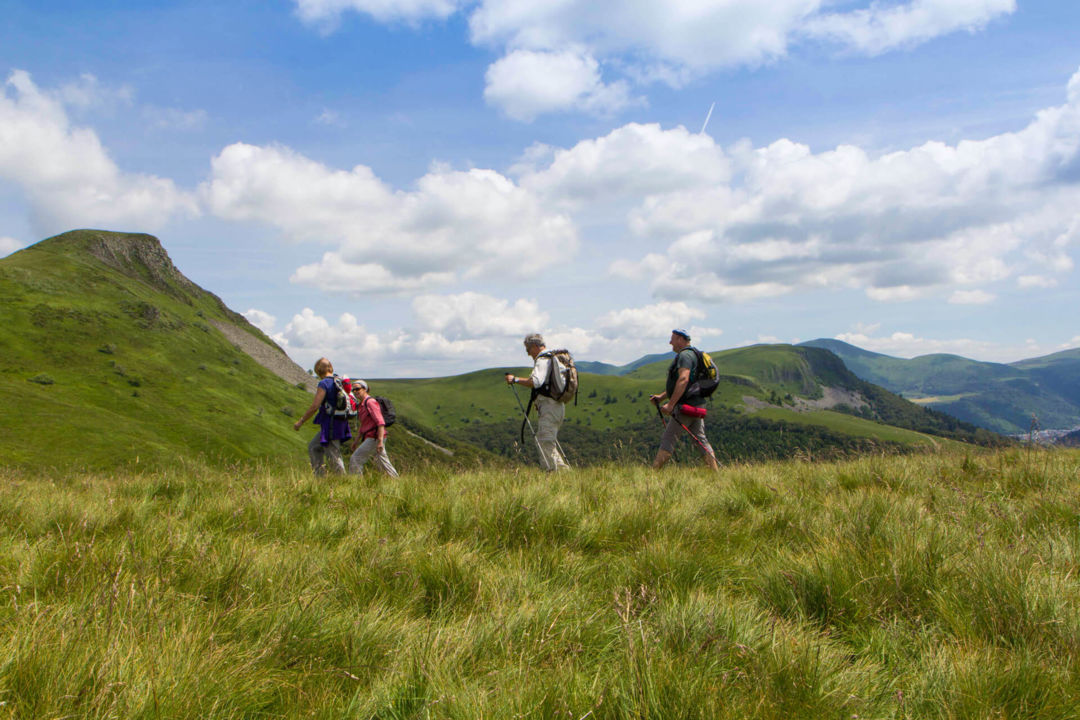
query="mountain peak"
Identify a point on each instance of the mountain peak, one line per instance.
(137, 255)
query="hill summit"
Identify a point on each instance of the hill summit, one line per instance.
(113, 355)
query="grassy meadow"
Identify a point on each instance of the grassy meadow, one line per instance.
(919, 586)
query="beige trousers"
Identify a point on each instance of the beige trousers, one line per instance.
(366, 451)
(552, 413)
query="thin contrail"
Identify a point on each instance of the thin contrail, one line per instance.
(707, 116)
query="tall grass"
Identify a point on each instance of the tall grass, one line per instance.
(936, 586)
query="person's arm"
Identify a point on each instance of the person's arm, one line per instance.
(320, 395)
(540, 370)
(676, 394)
(514, 380)
(380, 423)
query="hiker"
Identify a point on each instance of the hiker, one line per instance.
(370, 441)
(551, 411)
(683, 371)
(324, 450)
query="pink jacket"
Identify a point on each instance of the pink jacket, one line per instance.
(370, 416)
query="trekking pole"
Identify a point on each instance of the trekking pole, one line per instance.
(527, 421)
(692, 435)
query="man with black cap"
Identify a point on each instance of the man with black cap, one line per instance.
(681, 373)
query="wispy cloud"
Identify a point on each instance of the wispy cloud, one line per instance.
(585, 55)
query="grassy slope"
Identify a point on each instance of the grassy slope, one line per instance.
(138, 374)
(928, 586)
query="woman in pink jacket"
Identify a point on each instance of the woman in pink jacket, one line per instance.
(371, 439)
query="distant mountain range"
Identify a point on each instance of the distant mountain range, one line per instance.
(996, 396)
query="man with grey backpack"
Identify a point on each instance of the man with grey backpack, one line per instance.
(554, 383)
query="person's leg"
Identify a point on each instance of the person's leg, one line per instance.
(667, 443)
(361, 455)
(382, 461)
(697, 429)
(315, 453)
(333, 457)
(551, 414)
(662, 456)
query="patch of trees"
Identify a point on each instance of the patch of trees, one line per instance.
(734, 437)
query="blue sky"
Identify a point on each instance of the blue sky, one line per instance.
(409, 187)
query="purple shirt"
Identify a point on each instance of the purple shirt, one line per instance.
(331, 428)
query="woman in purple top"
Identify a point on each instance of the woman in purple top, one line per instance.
(325, 448)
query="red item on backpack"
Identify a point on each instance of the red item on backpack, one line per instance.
(692, 411)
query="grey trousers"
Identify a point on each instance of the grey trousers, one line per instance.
(366, 451)
(552, 413)
(324, 456)
(695, 425)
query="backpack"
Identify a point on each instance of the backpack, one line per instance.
(560, 386)
(344, 404)
(389, 415)
(707, 379)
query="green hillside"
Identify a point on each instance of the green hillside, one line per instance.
(996, 396)
(112, 357)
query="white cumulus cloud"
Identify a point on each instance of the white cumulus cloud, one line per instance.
(66, 174)
(262, 320)
(453, 225)
(655, 321)
(900, 226)
(527, 83)
(474, 315)
(468, 331)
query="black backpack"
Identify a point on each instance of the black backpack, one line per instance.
(389, 415)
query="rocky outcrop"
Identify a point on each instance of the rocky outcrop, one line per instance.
(273, 358)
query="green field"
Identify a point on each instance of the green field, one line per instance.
(919, 586)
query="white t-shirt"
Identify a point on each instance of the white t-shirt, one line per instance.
(540, 373)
